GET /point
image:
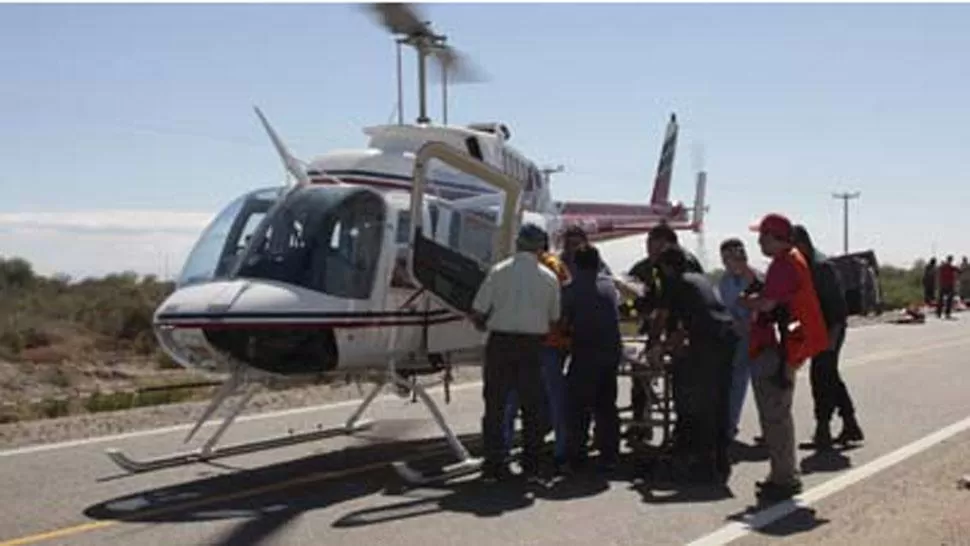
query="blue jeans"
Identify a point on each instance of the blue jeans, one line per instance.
(740, 378)
(555, 385)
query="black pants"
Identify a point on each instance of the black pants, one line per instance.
(591, 390)
(705, 401)
(511, 363)
(944, 304)
(828, 389)
(680, 379)
(638, 393)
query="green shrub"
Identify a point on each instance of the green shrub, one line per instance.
(110, 313)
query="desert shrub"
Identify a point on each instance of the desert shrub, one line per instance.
(901, 287)
(110, 313)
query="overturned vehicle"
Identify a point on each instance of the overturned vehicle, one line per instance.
(859, 274)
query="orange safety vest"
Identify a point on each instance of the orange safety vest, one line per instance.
(807, 335)
(556, 337)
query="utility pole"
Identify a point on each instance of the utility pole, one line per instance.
(845, 197)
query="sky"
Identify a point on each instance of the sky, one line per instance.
(125, 128)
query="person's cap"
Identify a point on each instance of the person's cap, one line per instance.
(775, 225)
(531, 237)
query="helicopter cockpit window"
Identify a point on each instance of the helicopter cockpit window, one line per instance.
(321, 241)
(224, 240)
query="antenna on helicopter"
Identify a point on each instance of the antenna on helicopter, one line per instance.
(403, 19)
(400, 88)
(548, 171)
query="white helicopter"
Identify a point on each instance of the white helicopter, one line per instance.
(369, 262)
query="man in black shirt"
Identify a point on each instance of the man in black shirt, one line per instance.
(697, 314)
(654, 306)
(828, 390)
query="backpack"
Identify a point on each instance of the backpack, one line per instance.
(831, 298)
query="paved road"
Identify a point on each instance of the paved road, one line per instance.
(910, 383)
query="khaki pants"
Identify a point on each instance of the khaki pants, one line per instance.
(775, 414)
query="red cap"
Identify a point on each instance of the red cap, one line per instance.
(775, 225)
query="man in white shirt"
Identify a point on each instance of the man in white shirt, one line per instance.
(517, 304)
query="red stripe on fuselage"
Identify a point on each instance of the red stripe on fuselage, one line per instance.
(308, 325)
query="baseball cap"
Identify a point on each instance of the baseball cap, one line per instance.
(776, 225)
(531, 237)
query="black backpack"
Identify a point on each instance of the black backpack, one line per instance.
(831, 298)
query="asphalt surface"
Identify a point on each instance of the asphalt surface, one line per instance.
(909, 382)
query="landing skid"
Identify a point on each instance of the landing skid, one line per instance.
(466, 463)
(239, 380)
(208, 452)
(200, 455)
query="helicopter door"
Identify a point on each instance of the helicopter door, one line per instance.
(478, 215)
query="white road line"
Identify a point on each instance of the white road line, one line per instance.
(738, 529)
(243, 418)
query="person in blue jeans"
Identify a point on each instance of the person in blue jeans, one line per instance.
(554, 383)
(738, 276)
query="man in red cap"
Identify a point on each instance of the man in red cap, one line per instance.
(786, 304)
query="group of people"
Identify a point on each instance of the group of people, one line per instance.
(538, 308)
(553, 324)
(942, 283)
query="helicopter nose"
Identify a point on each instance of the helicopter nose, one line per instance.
(252, 322)
(281, 350)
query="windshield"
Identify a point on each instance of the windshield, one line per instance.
(322, 238)
(221, 243)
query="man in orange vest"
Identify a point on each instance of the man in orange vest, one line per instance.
(787, 329)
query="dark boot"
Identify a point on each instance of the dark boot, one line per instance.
(772, 492)
(850, 431)
(823, 436)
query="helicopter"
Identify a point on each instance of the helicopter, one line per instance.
(368, 262)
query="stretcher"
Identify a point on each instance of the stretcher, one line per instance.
(659, 415)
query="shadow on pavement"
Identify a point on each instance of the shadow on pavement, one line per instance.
(267, 499)
(661, 481)
(825, 461)
(802, 520)
(479, 499)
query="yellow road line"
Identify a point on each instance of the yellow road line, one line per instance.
(59, 533)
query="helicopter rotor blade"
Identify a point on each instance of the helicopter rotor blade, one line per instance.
(400, 18)
(459, 66)
(293, 165)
